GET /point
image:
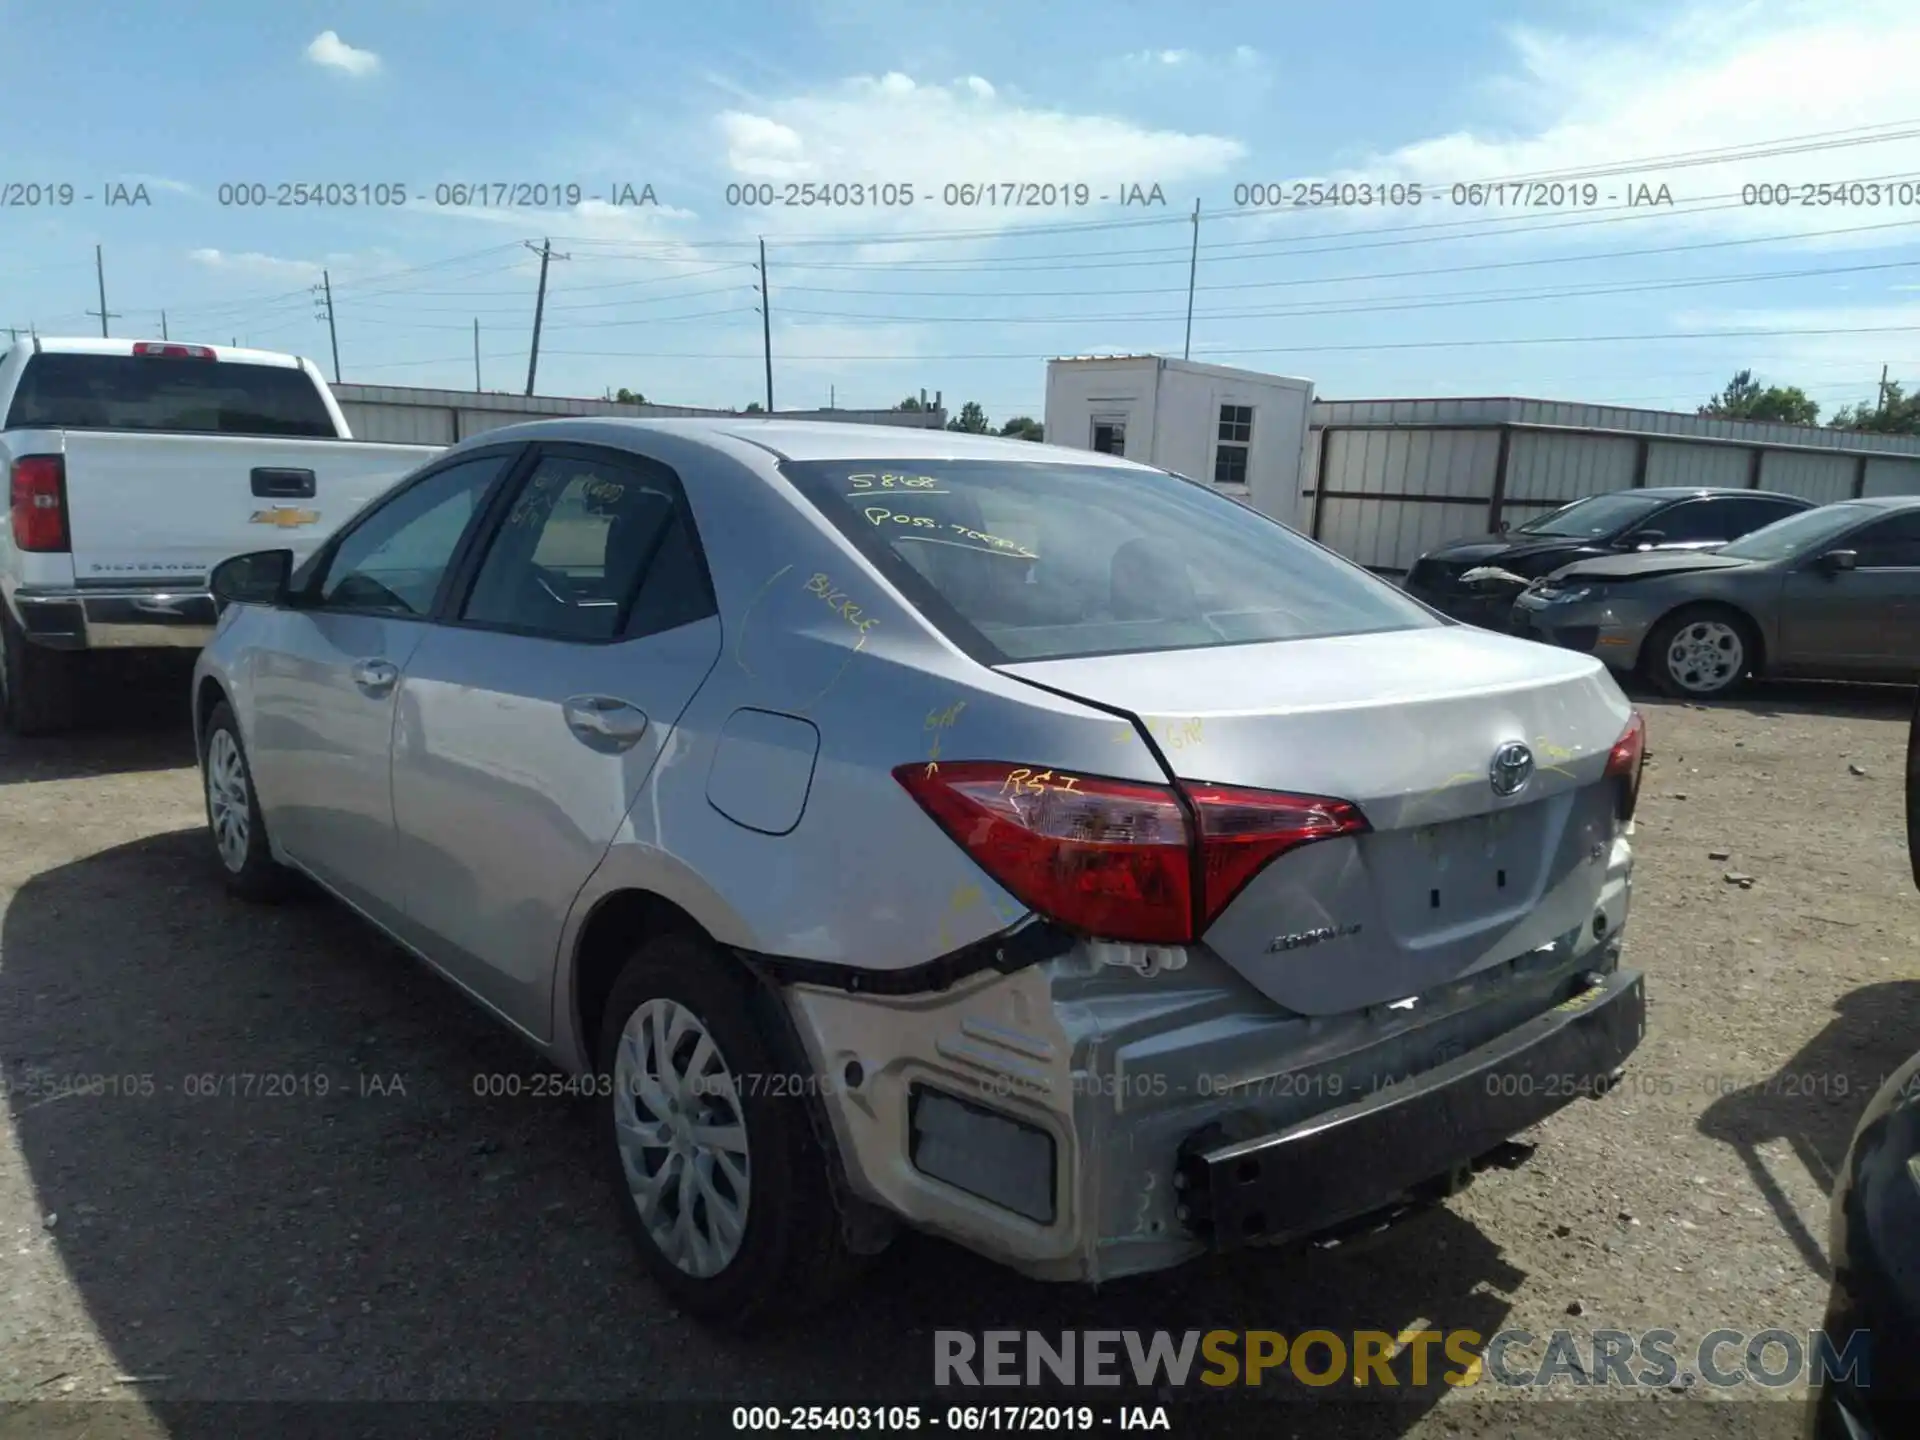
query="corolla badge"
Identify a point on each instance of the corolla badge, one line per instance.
(1301, 939)
(1512, 767)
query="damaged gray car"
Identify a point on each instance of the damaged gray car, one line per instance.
(887, 827)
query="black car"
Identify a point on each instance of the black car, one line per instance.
(1875, 1242)
(1477, 578)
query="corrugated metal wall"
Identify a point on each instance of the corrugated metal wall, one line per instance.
(1394, 478)
(1893, 477)
(402, 414)
(1822, 479)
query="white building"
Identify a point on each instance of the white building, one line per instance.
(1244, 431)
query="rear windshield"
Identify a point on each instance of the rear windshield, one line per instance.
(1018, 561)
(140, 392)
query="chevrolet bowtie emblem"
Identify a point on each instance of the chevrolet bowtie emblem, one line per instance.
(285, 517)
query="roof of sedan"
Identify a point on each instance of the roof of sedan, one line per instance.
(1887, 502)
(821, 439)
(1675, 492)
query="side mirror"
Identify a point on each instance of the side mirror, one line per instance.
(1645, 539)
(1836, 561)
(258, 578)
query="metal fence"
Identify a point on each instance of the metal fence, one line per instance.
(406, 415)
(1390, 479)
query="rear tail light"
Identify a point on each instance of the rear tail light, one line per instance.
(170, 351)
(39, 503)
(1625, 761)
(1119, 859)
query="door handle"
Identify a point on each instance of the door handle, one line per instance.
(376, 677)
(603, 722)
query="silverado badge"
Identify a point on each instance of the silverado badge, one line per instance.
(285, 517)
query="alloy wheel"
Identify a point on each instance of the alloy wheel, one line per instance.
(682, 1137)
(229, 810)
(1706, 656)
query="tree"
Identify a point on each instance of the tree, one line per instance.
(910, 404)
(1896, 413)
(971, 419)
(1024, 427)
(1745, 399)
(753, 407)
(629, 397)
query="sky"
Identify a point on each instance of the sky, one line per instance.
(1598, 186)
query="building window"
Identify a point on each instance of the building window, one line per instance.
(1110, 437)
(1236, 439)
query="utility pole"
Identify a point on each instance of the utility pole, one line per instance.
(476, 354)
(766, 323)
(163, 326)
(1193, 267)
(100, 274)
(833, 394)
(324, 292)
(540, 304)
(1882, 404)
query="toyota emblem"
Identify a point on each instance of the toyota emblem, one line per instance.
(1512, 767)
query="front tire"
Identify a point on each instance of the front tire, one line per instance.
(1701, 652)
(37, 685)
(721, 1180)
(234, 822)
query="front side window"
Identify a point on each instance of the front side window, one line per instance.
(394, 560)
(1892, 544)
(571, 555)
(1017, 561)
(1234, 444)
(1692, 522)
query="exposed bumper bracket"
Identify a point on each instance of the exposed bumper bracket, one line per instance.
(116, 619)
(1401, 1138)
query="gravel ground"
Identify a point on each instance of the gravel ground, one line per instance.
(400, 1237)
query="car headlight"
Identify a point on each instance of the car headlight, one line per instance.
(1570, 594)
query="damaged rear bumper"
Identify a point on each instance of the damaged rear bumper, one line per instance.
(1077, 1118)
(1370, 1153)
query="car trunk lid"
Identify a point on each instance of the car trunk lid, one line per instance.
(1451, 877)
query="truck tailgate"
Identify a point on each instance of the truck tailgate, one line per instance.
(166, 508)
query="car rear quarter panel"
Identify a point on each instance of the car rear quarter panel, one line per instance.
(865, 879)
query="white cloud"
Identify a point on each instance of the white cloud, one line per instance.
(161, 182)
(896, 130)
(1700, 79)
(252, 262)
(330, 50)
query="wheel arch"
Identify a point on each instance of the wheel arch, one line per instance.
(1755, 630)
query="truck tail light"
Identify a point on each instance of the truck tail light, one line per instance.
(39, 496)
(1118, 859)
(170, 351)
(1625, 762)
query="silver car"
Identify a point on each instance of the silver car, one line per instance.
(1831, 594)
(888, 826)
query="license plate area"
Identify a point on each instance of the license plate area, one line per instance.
(1435, 878)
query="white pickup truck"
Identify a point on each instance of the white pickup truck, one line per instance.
(135, 467)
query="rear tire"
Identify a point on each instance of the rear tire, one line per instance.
(234, 822)
(720, 1177)
(37, 685)
(1701, 652)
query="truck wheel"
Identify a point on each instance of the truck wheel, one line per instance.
(36, 684)
(720, 1177)
(1701, 652)
(234, 822)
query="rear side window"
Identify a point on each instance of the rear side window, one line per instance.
(141, 392)
(1022, 561)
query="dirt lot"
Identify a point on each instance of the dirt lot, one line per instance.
(401, 1237)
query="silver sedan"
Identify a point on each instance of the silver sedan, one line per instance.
(1832, 593)
(891, 827)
